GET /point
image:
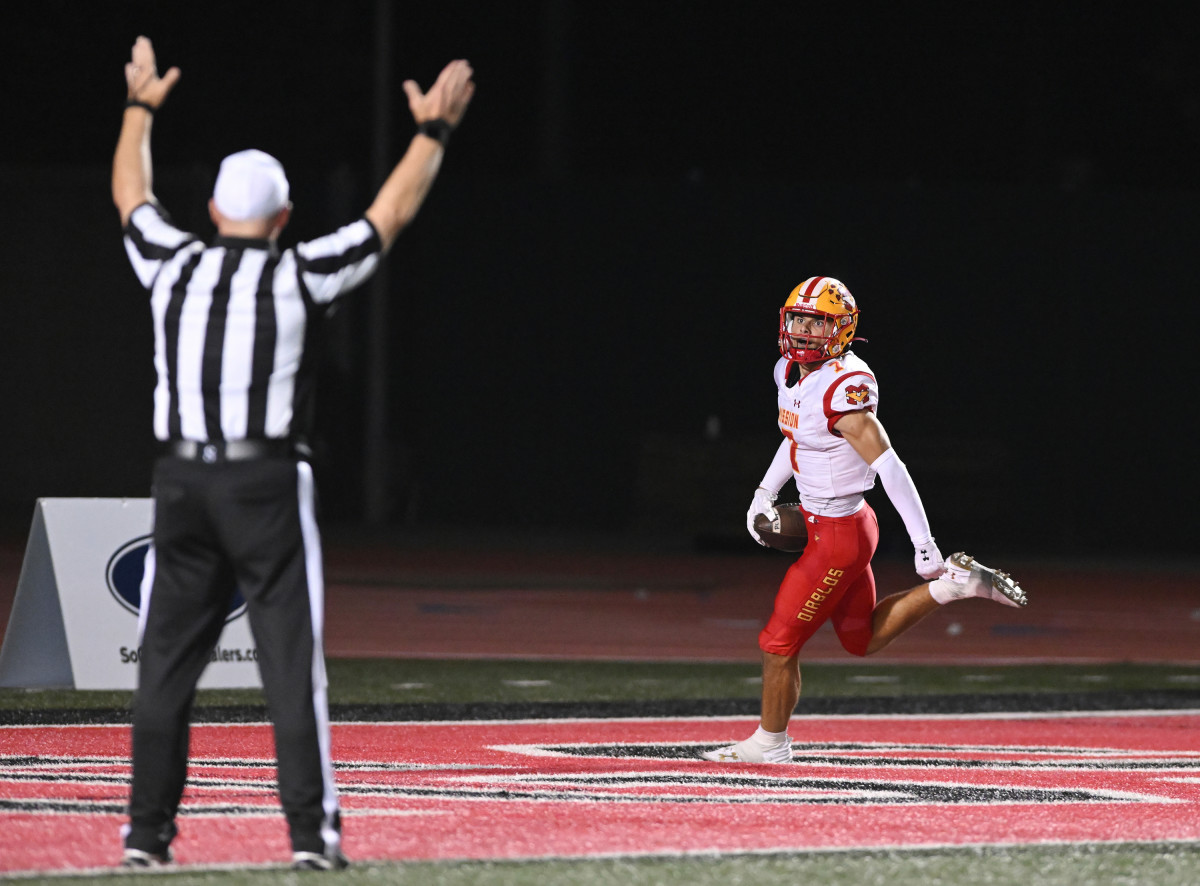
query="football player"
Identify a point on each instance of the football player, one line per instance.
(834, 446)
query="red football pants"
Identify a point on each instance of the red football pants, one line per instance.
(831, 581)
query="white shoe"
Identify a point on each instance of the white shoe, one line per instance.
(750, 751)
(967, 577)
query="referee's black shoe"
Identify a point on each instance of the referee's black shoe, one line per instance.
(316, 861)
(138, 858)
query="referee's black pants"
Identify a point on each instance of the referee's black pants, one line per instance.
(247, 525)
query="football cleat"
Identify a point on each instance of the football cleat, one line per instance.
(827, 299)
(316, 861)
(971, 578)
(138, 858)
(750, 751)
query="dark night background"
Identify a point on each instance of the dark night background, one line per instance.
(581, 323)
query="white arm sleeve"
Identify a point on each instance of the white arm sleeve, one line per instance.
(903, 494)
(780, 470)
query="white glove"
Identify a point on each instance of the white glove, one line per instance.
(929, 560)
(764, 503)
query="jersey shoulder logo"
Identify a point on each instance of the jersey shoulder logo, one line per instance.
(857, 395)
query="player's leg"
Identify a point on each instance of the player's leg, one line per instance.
(838, 550)
(781, 690)
(273, 534)
(897, 613)
(865, 627)
(190, 588)
(852, 618)
(770, 742)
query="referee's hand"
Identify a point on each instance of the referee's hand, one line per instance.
(447, 99)
(141, 75)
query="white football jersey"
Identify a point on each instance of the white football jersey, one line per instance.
(830, 475)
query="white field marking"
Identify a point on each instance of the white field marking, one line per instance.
(752, 680)
(1094, 678)
(797, 850)
(123, 778)
(1057, 758)
(806, 850)
(724, 718)
(73, 764)
(410, 685)
(982, 678)
(186, 811)
(91, 761)
(243, 811)
(853, 748)
(872, 678)
(389, 766)
(273, 811)
(119, 766)
(611, 794)
(732, 773)
(353, 813)
(1183, 678)
(526, 684)
(750, 718)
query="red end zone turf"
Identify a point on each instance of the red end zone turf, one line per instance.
(578, 788)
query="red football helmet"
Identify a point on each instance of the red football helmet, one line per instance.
(830, 300)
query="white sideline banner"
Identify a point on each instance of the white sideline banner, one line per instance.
(74, 621)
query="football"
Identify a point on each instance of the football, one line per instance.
(788, 533)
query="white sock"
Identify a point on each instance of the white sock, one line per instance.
(944, 591)
(769, 739)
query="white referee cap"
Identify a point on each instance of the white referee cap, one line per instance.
(250, 185)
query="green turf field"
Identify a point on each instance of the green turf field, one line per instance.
(400, 682)
(396, 687)
(1132, 865)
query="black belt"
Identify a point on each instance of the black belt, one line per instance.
(235, 450)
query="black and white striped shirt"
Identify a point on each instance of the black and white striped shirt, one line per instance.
(232, 324)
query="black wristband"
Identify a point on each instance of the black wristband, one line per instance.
(135, 103)
(438, 129)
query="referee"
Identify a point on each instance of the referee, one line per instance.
(233, 491)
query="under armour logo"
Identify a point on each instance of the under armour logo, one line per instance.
(925, 555)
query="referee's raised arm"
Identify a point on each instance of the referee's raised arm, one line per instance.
(132, 174)
(436, 113)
